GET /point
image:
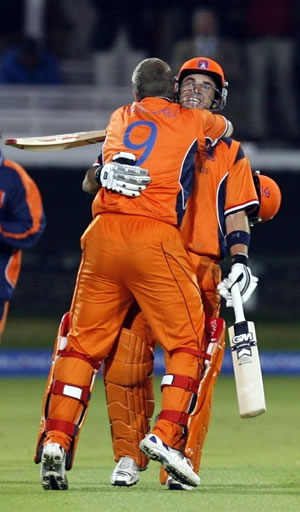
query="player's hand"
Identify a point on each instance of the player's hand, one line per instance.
(128, 180)
(241, 274)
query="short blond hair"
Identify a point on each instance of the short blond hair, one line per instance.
(153, 77)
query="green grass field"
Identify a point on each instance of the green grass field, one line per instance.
(248, 464)
(38, 332)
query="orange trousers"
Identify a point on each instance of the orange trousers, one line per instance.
(127, 258)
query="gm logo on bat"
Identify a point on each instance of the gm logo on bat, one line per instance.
(242, 345)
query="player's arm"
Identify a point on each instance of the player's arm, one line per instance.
(238, 240)
(215, 126)
(89, 184)
(25, 222)
(229, 129)
(238, 223)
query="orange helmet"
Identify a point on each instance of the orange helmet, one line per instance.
(210, 67)
(269, 196)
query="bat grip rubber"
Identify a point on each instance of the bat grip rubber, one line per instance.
(237, 304)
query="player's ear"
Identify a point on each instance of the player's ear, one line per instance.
(176, 86)
(135, 95)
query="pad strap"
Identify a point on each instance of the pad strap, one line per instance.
(81, 393)
(202, 354)
(63, 426)
(79, 355)
(179, 417)
(180, 381)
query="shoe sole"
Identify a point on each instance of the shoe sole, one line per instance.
(122, 483)
(153, 454)
(51, 479)
(177, 487)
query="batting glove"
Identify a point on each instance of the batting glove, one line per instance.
(128, 180)
(241, 274)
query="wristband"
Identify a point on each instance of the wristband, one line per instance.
(239, 258)
(237, 237)
(97, 174)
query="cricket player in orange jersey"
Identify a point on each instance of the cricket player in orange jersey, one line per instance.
(22, 222)
(223, 195)
(131, 251)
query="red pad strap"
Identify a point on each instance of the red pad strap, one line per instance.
(62, 426)
(180, 381)
(58, 388)
(197, 353)
(179, 417)
(78, 355)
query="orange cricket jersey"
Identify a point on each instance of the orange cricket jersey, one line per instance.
(165, 138)
(223, 185)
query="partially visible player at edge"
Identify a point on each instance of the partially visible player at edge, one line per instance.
(22, 222)
(224, 179)
(133, 250)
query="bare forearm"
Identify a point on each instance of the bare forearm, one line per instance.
(237, 222)
(89, 183)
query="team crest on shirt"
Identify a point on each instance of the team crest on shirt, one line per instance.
(203, 169)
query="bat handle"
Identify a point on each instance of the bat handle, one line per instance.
(237, 303)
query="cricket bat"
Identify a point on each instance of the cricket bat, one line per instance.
(246, 362)
(57, 142)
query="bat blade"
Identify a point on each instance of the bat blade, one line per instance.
(247, 369)
(57, 142)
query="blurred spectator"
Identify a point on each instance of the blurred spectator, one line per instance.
(114, 15)
(206, 39)
(270, 52)
(166, 23)
(82, 19)
(70, 27)
(56, 28)
(120, 41)
(203, 40)
(28, 63)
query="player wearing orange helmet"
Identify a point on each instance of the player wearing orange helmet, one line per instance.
(128, 372)
(216, 213)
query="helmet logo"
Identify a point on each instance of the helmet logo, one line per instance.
(202, 64)
(265, 191)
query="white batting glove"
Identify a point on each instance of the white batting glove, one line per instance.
(128, 180)
(241, 274)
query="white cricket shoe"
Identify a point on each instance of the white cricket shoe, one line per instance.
(174, 485)
(53, 472)
(125, 473)
(175, 463)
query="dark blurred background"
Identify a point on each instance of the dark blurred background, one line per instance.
(65, 65)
